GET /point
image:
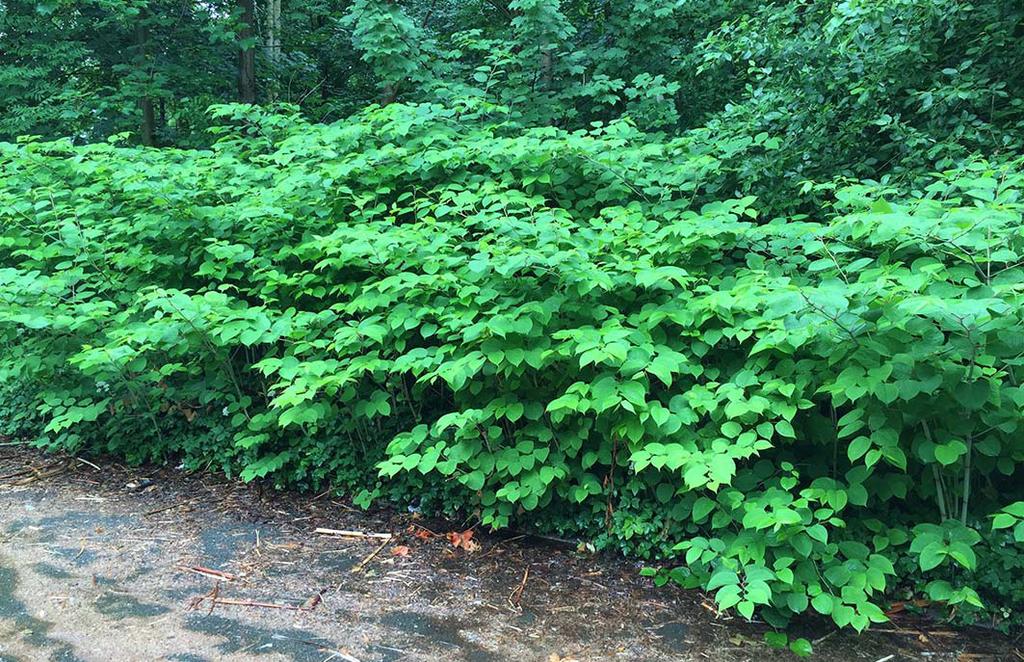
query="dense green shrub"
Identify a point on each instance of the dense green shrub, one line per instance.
(583, 330)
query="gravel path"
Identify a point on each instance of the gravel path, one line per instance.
(110, 563)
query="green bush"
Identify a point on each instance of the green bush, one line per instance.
(574, 330)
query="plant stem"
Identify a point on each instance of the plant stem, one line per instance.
(939, 492)
(967, 479)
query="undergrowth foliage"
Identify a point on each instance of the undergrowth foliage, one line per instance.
(582, 331)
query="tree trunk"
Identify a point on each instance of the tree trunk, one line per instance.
(147, 133)
(246, 55)
(148, 122)
(273, 43)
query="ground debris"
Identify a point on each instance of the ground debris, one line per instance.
(352, 534)
(208, 572)
(305, 597)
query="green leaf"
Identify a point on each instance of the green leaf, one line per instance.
(701, 508)
(728, 596)
(722, 577)
(731, 429)
(473, 480)
(932, 556)
(950, 452)
(858, 447)
(822, 603)
(784, 428)
(1003, 521)
(801, 647)
(972, 395)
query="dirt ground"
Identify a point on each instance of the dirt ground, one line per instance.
(99, 562)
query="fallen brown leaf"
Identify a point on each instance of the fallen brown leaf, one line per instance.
(463, 540)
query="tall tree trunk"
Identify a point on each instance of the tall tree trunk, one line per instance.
(148, 122)
(148, 132)
(273, 43)
(246, 55)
